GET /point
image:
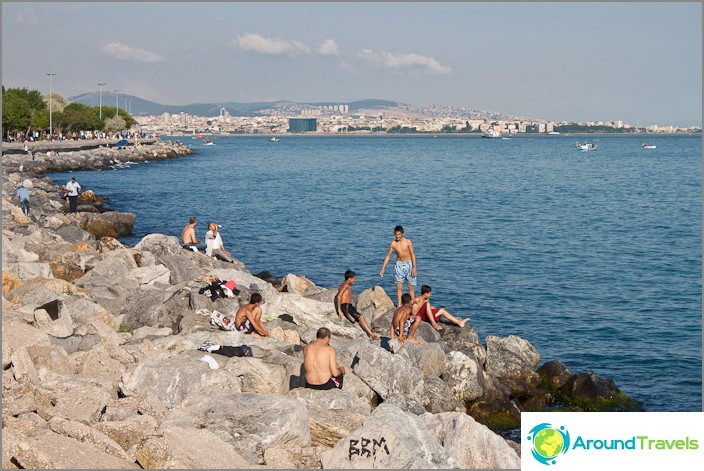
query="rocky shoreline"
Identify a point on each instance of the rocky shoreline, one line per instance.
(101, 367)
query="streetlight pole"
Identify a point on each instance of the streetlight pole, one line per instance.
(101, 99)
(51, 92)
(117, 105)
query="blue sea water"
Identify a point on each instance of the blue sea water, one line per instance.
(593, 257)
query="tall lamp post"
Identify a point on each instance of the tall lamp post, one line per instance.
(117, 94)
(51, 92)
(101, 99)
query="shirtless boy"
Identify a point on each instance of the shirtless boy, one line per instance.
(404, 325)
(343, 304)
(248, 317)
(188, 235)
(320, 363)
(422, 308)
(405, 268)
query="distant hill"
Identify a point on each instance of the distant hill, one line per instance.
(141, 107)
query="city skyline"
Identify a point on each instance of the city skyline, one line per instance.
(637, 62)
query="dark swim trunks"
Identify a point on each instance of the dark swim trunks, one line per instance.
(333, 383)
(348, 311)
(245, 327)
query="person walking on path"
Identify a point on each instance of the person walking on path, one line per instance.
(421, 307)
(343, 304)
(73, 189)
(23, 195)
(405, 268)
(320, 363)
(214, 247)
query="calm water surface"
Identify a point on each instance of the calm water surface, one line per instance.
(594, 257)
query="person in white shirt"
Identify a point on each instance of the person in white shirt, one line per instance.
(214, 247)
(73, 188)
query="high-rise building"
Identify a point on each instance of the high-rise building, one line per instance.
(302, 125)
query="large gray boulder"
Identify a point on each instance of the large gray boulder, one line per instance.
(250, 423)
(171, 379)
(471, 444)
(159, 244)
(389, 438)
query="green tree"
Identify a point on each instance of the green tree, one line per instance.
(115, 123)
(78, 117)
(22, 109)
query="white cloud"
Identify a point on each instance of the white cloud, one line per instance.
(393, 60)
(126, 53)
(328, 48)
(272, 47)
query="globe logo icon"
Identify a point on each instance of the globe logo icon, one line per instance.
(548, 442)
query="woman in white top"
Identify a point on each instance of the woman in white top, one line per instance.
(214, 247)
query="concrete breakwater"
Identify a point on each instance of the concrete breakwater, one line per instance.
(100, 362)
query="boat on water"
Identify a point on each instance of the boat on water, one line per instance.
(553, 133)
(586, 146)
(492, 133)
(274, 139)
(198, 136)
(208, 142)
(646, 146)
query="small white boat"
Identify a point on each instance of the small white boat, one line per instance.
(646, 146)
(274, 139)
(554, 133)
(587, 146)
(208, 142)
(492, 133)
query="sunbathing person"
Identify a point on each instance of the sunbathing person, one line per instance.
(426, 312)
(320, 363)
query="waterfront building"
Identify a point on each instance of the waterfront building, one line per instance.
(302, 125)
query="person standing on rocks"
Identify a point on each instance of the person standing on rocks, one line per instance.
(422, 308)
(405, 268)
(188, 236)
(214, 247)
(320, 363)
(23, 195)
(343, 304)
(248, 317)
(73, 189)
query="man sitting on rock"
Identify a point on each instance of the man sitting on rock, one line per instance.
(343, 304)
(403, 325)
(426, 312)
(188, 236)
(320, 363)
(248, 317)
(214, 247)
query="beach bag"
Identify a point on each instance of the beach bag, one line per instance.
(62, 194)
(222, 321)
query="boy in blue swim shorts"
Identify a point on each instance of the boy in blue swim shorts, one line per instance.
(405, 268)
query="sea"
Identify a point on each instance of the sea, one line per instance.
(593, 257)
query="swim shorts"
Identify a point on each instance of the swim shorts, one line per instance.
(246, 327)
(350, 312)
(406, 326)
(402, 273)
(334, 382)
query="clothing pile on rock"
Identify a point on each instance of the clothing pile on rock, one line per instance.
(226, 350)
(221, 289)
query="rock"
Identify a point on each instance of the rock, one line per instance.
(87, 435)
(257, 376)
(149, 332)
(47, 449)
(497, 413)
(389, 438)
(406, 404)
(438, 397)
(250, 423)
(374, 302)
(591, 393)
(18, 336)
(553, 375)
(159, 244)
(74, 234)
(464, 377)
(171, 379)
(181, 268)
(52, 358)
(429, 357)
(471, 444)
(296, 284)
(188, 448)
(386, 373)
(157, 274)
(10, 282)
(75, 343)
(512, 360)
(129, 432)
(297, 457)
(465, 340)
(108, 244)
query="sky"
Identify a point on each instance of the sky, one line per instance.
(637, 62)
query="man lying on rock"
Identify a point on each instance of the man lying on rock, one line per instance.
(320, 363)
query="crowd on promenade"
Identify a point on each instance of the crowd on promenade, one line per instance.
(320, 364)
(43, 136)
